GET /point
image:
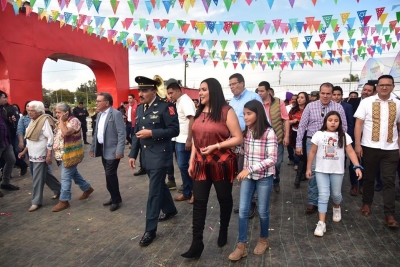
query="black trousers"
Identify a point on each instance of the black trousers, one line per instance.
(110, 169)
(84, 131)
(159, 198)
(386, 161)
(201, 192)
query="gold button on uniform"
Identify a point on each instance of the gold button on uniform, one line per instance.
(144, 118)
(144, 146)
(142, 127)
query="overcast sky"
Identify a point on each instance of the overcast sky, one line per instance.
(70, 75)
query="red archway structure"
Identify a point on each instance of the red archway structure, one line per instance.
(26, 42)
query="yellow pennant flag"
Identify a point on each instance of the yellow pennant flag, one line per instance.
(383, 18)
(62, 22)
(347, 59)
(294, 42)
(155, 52)
(172, 40)
(192, 2)
(312, 54)
(54, 13)
(44, 14)
(19, 3)
(201, 26)
(186, 5)
(253, 65)
(344, 17)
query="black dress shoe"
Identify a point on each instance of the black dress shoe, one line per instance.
(24, 170)
(140, 172)
(87, 143)
(9, 187)
(1, 194)
(114, 207)
(147, 238)
(108, 203)
(165, 217)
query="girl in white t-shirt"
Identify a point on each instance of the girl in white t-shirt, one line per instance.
(328, 147)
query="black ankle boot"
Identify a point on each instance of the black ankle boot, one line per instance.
(299, 174)
(194, 251)
(223, 236)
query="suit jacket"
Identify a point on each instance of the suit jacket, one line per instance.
(348, 110)
(162, 119)
(114, 135)
(354, 102)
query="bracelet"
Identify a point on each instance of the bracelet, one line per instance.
(218, 146)
(355, 167)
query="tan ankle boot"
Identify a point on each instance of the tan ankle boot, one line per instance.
(62, 205)
(262, 245)
(86, 194)
(240, 252)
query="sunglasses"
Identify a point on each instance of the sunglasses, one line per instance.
(323, 112)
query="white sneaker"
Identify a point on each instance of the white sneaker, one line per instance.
(321, 229)
(337, 215)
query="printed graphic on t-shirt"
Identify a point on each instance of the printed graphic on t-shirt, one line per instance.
(330, 148)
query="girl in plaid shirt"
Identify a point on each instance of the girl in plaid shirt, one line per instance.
(260, 148)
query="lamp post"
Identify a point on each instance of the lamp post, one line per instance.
(87, 100)
(186, 66)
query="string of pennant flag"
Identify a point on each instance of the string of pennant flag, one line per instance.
(333, 44)
(150, 4)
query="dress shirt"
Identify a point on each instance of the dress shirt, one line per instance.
(312, 120)
(237, 103)
(100, 128)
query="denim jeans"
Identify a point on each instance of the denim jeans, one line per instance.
(312, 183)
(67, 175)
(183, 158)
(328, 184)
(247, 189)
(278, 164)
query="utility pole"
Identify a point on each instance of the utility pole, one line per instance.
(280, 77)
(350, 77)
(184, 75)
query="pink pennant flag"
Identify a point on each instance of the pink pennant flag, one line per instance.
(3, 4)
(249, 2)
(277, 23)
(379, 11)
(79, 6)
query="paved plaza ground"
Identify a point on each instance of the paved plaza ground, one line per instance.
(88, 234)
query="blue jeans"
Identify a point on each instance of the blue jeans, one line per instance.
(247, 189)
(67, 175)
(312, 183)
(278, 164)
(183, 158)
(328, 184)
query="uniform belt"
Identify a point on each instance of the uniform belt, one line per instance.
(309, 137)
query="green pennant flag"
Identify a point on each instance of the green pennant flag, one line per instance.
(235, 28)
(387, 37)
(180, 23)
(32, 3)
(363, 55)
(228, 4)
(350, 33)
(223, 44)
(272, 66)
(250, 27)
(394, 44)
(131, 7)
(327, 20)
(279, 41)
(269, 55)
(262, 58)
(90, 30)
(175, 55)
(213, 53)
(334, 23)
(113, 21)
(271, 45)
(225, 64)
(359, 51)
(397, 15)
(260, 24)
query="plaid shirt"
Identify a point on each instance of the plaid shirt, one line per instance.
(313, 118)
(260, 155)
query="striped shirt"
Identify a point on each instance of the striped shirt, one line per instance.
(313, 118)
(260, 155)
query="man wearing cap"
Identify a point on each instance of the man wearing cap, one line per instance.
(314, 96)
(47, 110)
(156, 123)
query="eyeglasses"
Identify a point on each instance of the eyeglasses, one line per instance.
(323, 112)
(385, 85)
(233, 84)
(98, 101)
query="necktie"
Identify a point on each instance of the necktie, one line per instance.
(146, 106)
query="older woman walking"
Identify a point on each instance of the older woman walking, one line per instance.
(39, 143)
(68, 151)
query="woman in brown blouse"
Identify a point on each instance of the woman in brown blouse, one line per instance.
(215, 130)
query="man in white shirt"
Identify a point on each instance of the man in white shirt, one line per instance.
(376, 141)
(186, 112)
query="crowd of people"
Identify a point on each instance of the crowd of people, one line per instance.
(216, 143)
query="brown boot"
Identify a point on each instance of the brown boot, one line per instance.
(86, 194)
(240, 252)
(353, 190)
(62, 205)
(262, 245)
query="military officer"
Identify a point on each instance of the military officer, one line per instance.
(156, 123)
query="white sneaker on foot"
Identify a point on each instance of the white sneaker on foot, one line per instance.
(337, 215)
(321, 229)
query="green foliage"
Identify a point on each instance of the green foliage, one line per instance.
(352, 78)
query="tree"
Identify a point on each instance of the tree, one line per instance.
(86, 91)
(353, 78)
(46, 93)
(63, 95)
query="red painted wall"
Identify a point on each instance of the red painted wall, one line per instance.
(26, 42)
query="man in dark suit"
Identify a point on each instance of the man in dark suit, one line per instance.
(109, 143)
(369, 89)
(81, 113)
(156, 123)
(337, 96)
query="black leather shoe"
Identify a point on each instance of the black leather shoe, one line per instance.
(165, 217)
(1, 194)
(236, 210)
(140, 172)
(24, 170)
(87, 143)
(114, 207)
(108, 203)
(147, 238)
(9, 187)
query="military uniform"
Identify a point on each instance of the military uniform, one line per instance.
(162, 119)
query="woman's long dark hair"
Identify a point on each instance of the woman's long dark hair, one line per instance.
(216, 98)
(262, 123)
(341, 133)
(297, 107)
(25, 111)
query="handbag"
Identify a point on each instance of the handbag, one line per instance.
(73, 149)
